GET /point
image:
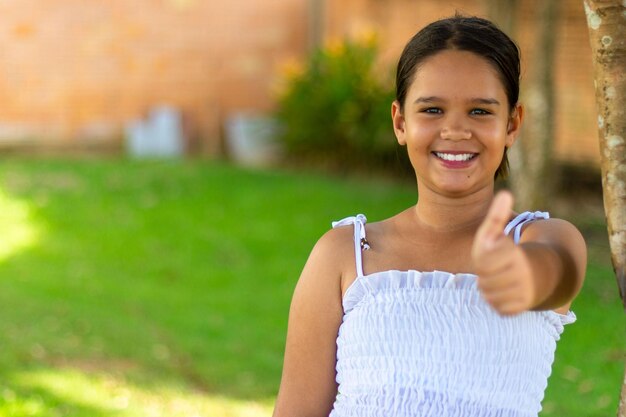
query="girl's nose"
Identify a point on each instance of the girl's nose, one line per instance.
(456, 132)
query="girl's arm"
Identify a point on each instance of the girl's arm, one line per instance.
(308, 386)
(545, 271)
(557, 255)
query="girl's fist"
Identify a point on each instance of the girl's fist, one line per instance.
(504, 272)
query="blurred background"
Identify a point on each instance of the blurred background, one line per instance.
(167, 165)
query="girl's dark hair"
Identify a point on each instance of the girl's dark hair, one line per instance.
(472, 34)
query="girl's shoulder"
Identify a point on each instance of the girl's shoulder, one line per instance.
(551, 230)
(334, 250)
(338, 245)
(343, 231)
(560, 235)
(337, 238)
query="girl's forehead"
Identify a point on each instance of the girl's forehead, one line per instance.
(459, 72)
(456, 56)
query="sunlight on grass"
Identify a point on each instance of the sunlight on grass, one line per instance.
(16, 224)
(89, 394)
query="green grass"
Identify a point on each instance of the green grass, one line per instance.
(162, 289)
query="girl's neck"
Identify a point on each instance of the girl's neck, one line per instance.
(441, 213)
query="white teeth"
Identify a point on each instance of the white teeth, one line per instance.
(455, 157)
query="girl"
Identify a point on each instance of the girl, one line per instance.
(452, 307)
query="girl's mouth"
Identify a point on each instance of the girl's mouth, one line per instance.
(455, 157)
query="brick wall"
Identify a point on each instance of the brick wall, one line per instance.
(75, 71)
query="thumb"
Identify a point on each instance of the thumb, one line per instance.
(493, 225)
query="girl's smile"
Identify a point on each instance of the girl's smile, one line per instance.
(455, 159)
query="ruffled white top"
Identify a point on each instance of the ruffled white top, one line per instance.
(427, 344)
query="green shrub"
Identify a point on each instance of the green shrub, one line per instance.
(338, 109)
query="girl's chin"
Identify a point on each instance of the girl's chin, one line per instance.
(460, 186)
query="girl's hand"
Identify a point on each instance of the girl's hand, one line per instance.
(505, 274)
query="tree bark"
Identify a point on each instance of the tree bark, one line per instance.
(607, 35)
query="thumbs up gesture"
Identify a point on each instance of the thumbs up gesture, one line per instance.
(504, 272)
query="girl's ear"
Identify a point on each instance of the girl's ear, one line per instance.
(398, 122)
(515, 125)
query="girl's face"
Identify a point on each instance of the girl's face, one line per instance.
(456, 123)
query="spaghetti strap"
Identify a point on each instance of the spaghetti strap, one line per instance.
(520, 220)
(360, 241)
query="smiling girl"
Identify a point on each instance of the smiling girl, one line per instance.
(452, 307)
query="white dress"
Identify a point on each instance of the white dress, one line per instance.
(426, 344)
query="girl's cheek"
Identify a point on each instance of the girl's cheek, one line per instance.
(495, 130)
(424, 131)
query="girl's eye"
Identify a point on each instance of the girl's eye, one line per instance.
(479, 112)
(432, 110)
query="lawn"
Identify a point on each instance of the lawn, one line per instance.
(162, 288)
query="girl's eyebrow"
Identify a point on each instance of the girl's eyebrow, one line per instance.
(485, 101)
(434, 99)
(429, 99)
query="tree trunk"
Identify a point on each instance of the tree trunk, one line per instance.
(316, 24)
(532, 177)
(607, 34)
